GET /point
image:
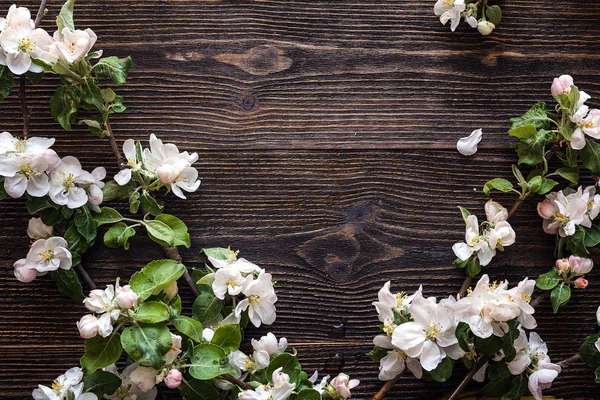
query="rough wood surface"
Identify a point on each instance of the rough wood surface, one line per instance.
(326, 134)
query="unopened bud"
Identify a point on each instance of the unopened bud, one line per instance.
(88, 326)
(581, 283)
(173, 379)
(563, 265)
(485, 27)
(546, 209)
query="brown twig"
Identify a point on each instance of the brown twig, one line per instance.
(387, 387)
(568, 361)
(468, 378)
(539, 299)
(465, 286)
(173, 254)
(40, 13)
(114, 146)
(237, 382)
(24, 107)
(86, 277)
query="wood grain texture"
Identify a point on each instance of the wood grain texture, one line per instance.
(325, 131)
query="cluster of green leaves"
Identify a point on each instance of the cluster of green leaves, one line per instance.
(590, 354)
(502, 382)
(164, 229)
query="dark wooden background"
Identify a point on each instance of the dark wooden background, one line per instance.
(326, 132)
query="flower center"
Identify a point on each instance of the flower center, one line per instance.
(25, 45)
(47, 255)
(56, 386)
(432, 331)
(561, 218)
(69, 181)
(400, 298)
(232, 256)
(230, 282)
(253, 299)
(73, 47)
(448, 3)
(20, 145)
(25, 169)
(526, 297)
(587, 124)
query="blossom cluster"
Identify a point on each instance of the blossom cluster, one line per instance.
(23, 46)
(566, 209)
(494, 234)
(235, 277)
(67, 386)
(161, 164)
(29, 165)
(455, 10)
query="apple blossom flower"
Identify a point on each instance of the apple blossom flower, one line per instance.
(33, 146)
(240, 264)
(260, 300)
(22, 43)
(521, 296)
(562, 214)
(319, 387)
(395, 361)
(577, 266)
(450, 10)
(562, 84)
(467, 146)
(128, 389)
(268, 344)
(36, 229)
(542, 378)
(173, 379)
(70, 46)
(49, 255)
(88, 326)
(581, 283)
(144, 377)
(23, 272)
(280, 390)
(67, 386)
(126, 297)
(24, 173)
(229, 280)
(428, 334)
(485, 27)
(474, 243)
(390, 305)
(94, 191)
(487, 308)
(241, 362)
(68, 183)
(107, 303)
(588, 123)
(495, 212)
(343, 384)
(16, 17)
(124, 175)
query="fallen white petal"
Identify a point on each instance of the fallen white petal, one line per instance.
(468, 145)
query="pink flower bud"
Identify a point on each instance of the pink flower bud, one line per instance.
(580, 266)
(581, 283)
(167, 173)
(126, 297)
(23, 272)
(563, 265)
(88, 326)
(596, 178)
(546, 209)
(562, 84)
(343, 384)
(173, 379)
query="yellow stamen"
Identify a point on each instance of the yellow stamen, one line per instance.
(47, 255)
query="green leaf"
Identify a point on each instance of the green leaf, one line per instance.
(155, 276)
(517, 388)
(150, 205)
(508, 342)
(152, 312)
(590, 156)
(548, 281)
(228, 337)
(308, 394)
(147, 343)
(107, 215)
(576, 242)
(94, 126)
(206, 306)
(51, 216)
(112, 191)
(523, 131)
(219, 253)
(134, 202)
(117, 105)
(7, 81)
(534, 184)
(77, 243)
(68, 283)
(494, 14)
(463, 334)
(101, 352)
(443, 371)
(160, 232)
(290, 366)
(180, 230)
(37, 204)
(192, 389)
(592, 236)
(108, 95)
(91, 95)
(189, 327)
(597, 372)
(209, 361)
(461, 263)
(113, 68)
(536, 116)
(65, 18)
(589, 352)
(118, 235)
(101, 383)
(175, 307)
(531, 150)
(500, 378)
(64, 105)
(473, 267)
(488, 346)
(464, 213)
(569, 173)
(377, 353)
(86, 225)
(560, 296)
(547, 186)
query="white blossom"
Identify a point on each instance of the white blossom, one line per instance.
(94, 191)
(467, 146)
(269, 345)
(260, 300)
(88, 326)
(343, 384)
(38, 230)
(68, 183)
(49, 255)
(428, 334)
(68, 386)
(562, 213)
(25, 173)
(70, 46)
(588, 123)
(521, 296)
(229, 280)
(124, 176)
(128, 389)
(33, 146)
(280, 390)
(109, 304)
(450, 10)
(241, 362)
(561, 85)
